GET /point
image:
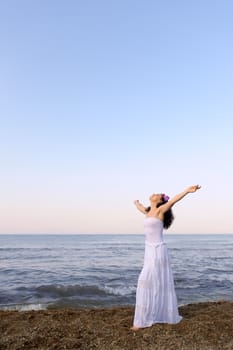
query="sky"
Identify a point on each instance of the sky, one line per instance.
(108, 101)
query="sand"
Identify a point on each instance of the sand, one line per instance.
(204, 326)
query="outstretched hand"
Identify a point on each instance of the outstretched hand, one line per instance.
(194, 188)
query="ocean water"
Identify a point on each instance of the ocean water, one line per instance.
(53, 271)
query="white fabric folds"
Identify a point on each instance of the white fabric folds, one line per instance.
(156, 300)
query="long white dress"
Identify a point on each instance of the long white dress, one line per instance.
(156, 300)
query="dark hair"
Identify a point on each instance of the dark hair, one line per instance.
(168, 216)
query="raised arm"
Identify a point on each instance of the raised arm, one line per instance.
(178, 197)
(140, 207)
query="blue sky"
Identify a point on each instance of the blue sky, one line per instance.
(104, 102)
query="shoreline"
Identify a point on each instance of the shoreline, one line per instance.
(205, 326)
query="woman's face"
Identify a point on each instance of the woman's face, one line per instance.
(156, 198)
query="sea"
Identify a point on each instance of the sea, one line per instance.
(101, 270)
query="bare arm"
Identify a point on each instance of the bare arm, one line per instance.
(140, 207)
(165, 207)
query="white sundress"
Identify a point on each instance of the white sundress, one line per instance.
(156, 300)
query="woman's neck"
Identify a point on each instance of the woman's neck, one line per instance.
(153, 206)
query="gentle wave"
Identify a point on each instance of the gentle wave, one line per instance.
(24, 307)
(66, 295)
(69, 290)
(82, 290)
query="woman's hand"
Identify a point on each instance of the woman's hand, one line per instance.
(194, 188)
(139, 206)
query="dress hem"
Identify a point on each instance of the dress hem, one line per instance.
(156, 322)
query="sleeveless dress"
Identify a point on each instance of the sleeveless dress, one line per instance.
(156, 300)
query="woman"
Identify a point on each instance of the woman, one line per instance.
(156, 300)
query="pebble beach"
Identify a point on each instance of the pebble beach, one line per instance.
(205, 326)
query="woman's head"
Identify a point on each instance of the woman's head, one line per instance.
(159, 198)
